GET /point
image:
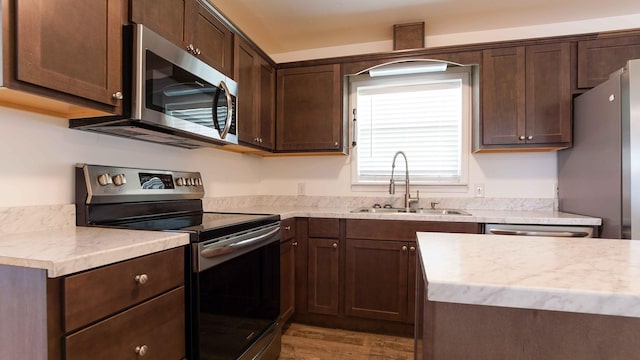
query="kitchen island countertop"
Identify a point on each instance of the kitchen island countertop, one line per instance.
(582, 275)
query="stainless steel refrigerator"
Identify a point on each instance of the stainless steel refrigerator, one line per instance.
(600, 175)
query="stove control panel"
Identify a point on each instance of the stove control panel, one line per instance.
(111, 184)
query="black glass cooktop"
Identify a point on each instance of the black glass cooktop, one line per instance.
(205, 225)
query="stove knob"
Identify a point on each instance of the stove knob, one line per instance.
(119, 179)
(104, 179)
(199, 181)
(190, 181)
(180, 181)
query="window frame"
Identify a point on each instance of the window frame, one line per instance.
(469, 111)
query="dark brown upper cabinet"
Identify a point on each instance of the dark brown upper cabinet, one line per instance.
(526, 98)
(191, 25)
(68, 66)
(256, 97)
(598, 58)
(208, 38)
(309, 109)
(165, 17)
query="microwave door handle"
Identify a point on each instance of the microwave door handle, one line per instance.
(227, 126)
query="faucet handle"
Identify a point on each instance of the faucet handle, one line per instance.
(433, 205)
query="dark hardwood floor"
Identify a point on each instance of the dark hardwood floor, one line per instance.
(304, 342)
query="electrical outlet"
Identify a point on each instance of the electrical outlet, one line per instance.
(302, 188)
(478, 190)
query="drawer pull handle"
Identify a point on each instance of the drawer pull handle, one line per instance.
(142, 350)
(141, 279)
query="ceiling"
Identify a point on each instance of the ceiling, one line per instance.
(282, 26)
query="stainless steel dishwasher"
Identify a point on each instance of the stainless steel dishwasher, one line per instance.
(539, 230)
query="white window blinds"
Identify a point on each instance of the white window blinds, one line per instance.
(422, 115)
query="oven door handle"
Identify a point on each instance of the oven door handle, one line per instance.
(213, 251)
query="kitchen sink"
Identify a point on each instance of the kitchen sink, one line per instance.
(411, 211)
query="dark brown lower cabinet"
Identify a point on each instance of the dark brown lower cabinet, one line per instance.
(288, 246)
(151, 330)
(462, 331)
(380, 278)
(380, 268)
(126, 310)
(360, 274)
(323, 282)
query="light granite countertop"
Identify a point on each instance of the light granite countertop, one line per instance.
(69, 250)
(541, 217)
(583, 275)
(45, 237)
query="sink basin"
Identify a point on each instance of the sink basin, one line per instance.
(412, 211)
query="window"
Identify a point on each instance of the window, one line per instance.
(427, 116)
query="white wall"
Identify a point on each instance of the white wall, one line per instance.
(38, 153)
(510, 175)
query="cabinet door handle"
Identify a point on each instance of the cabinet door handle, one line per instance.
(354, 134)
(335, 245)
(335, 144)
(521, 137)
(117, 95)
(142, 350)
(530, 137)
(295, 243)
(287, 227)
(141, 279)
(412, 249)
(404, 248)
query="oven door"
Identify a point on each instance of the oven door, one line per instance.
(236, 296)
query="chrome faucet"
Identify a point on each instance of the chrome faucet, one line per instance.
(408, 201)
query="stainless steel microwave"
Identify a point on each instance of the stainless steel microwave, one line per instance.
(173, 97)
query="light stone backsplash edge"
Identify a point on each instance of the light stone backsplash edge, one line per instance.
(22, 219)
(353, 202)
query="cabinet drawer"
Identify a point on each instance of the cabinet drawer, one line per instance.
(157, 324)
(324, 228)
(403, 230)
(95, 294)
(288, 227)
